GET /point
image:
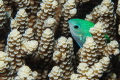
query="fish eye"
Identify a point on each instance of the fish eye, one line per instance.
(76, 26)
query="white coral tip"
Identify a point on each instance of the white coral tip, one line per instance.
(2, 65)
(73, 11)
(82, 65)
(14, 33)
(3, 55)
(21, 11)
(50, 21)
(1, 3)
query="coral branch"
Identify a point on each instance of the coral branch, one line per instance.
(32, 46)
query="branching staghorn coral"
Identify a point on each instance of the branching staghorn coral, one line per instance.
(69, 10)
(63, 56)
(93, 72)
(21, 20)
(105, 13)
(25, 73)
(56, 73)
(47, 8)
(17, 48)
(98, 32)
(8, 7)
(3, 63)
(88, 57)
(38, 45)
(2, 24)
(3, 14)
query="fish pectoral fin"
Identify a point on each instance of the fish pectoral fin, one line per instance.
(80, 38)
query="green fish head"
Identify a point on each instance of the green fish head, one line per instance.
(79, 29)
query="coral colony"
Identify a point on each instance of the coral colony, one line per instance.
(36, 42)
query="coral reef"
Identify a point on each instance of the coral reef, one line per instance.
(36, 44)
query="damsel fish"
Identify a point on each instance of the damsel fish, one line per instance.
(79, 29)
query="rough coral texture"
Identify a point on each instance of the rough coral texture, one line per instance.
(56, 73)
(36, 44)
(63, 56)
(25, 73)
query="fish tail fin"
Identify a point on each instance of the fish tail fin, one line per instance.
(107, 38)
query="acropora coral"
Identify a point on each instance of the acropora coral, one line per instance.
(36, 44)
